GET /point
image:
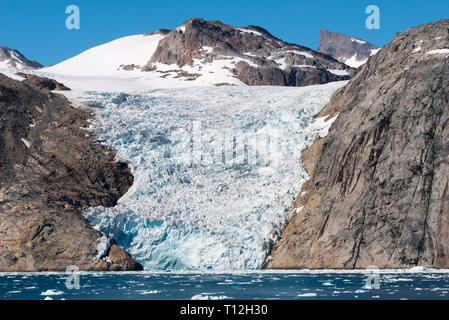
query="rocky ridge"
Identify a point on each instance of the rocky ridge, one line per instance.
(11, 58)
(50, 168)
(251, 54)
(378, 192)
(198, 53)
(349, 50)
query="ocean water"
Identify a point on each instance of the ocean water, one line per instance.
(227, 286)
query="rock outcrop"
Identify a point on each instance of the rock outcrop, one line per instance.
(11, 58)
(255, 56)
(50, 168)
(43, 82)
(350, 50)
(378, 192)
(158, 31)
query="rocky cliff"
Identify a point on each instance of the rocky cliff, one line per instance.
(350, 50)
(50, 168)
(378, 192)
(256, 57)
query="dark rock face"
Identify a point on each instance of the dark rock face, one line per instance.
(14, 59)
(43, 82)
(49, 170)
(296, 77)
(159, 31)
(379, 187)
(266, 59)
(120, 257)
(343, 47)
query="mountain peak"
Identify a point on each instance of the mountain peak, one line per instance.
(251, 54)
(347, 49)
(12, 58)
(206, 52)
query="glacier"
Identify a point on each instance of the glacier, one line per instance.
(216, 169)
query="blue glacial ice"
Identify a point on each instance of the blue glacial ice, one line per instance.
(216, 170)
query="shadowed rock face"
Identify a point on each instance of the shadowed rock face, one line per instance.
(49, 171)
(159, 31)
(343, 47)
(14, 59)
(379, 187)
(267, 60)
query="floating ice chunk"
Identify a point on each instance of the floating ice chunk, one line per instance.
(420, 269)
(209, 296)
(51, 292)
(309, 294)
(149, 292)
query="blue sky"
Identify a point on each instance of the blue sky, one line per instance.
(37, 28)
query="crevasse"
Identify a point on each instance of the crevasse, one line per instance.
(215, 170)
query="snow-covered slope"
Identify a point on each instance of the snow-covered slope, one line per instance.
(356, 62)
(106, 60)
(116, 66)
(216, 169)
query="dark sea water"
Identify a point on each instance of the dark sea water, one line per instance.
(249, 285)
